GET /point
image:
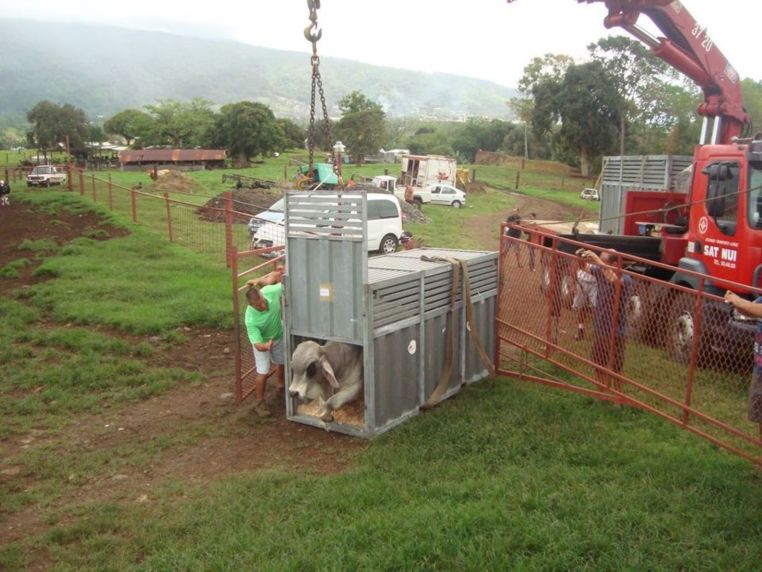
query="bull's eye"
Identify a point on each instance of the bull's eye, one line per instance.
(311, 369)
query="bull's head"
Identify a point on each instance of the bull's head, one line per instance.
(312, 376)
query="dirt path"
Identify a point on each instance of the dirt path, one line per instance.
(486, 229)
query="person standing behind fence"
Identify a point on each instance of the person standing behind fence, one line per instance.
(585, 296)
(5, 194)
(752, 310)
(265, 329)
(514, 232)
(608, 328)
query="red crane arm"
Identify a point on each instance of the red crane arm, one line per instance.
(687, 47)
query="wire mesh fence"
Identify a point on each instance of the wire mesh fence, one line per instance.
(207, 229)
(676, 352)
(245, 265)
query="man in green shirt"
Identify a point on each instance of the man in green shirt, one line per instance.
(265, 329)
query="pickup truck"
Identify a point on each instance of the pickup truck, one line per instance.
(45, 176)
(390, 184)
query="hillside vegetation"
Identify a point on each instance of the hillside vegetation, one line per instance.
(104, 70)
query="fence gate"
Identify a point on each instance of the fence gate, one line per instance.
(675, 352)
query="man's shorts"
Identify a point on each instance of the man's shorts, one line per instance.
(263, 359)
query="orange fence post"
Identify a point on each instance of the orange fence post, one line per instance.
(169, 216)
(110, 195)
(233, 260)
(92, 178)
(133, 200)
(82, 182)
(228, 227)
(693, 360)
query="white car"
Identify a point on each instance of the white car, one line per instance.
(590, 194)
(273, 214)
(384, 226)
(45, 176)
(447, 195)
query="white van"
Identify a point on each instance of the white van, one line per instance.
(384, 226)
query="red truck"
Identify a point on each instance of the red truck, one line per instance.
(716, 228)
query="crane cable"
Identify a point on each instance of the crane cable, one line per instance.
(313, 34)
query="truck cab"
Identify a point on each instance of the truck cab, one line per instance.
(45, 176)
(389, 183)
(724, 237)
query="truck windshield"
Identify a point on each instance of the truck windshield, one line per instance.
(755, 195)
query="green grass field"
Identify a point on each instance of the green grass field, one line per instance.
(503, 476)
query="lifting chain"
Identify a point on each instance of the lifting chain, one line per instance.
(313, 34)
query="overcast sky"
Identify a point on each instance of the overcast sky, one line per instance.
(487, 39)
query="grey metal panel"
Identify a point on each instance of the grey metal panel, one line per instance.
(326, 274)
(396, 374)
(436, 332)
(624, 174)
(403, 309)
(484, 317)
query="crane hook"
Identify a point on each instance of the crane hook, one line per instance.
(313, 33)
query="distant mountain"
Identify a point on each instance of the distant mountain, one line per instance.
(104, 70)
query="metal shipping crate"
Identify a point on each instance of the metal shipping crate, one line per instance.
(395, 307)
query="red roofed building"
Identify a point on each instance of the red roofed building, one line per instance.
(181, 159)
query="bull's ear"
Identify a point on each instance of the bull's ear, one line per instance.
(328, 371)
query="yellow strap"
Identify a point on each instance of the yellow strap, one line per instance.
(458, 266)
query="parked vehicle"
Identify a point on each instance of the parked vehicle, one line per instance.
(422, 171)
(45, 176)
(713, 229)
(384, 226)
(447, 195)
(590, 194)
(274, 214)
(389, 183)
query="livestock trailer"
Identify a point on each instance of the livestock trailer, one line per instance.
(399, 308)
(626, 175)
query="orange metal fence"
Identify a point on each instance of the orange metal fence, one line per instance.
(675, 352)
(241, 270)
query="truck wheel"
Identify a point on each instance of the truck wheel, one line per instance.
(388, 244)
(47, 183)
(418, 202)
(456, 204)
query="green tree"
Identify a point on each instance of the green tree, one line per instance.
(95, 133)
(640, 80)
(11, 137)
(479, 134)
(180, 124)
(752, 95)
(130, 124)
(53, 123)
(247, 129)
(586, 104)
(539, 70)
(430, 139)
(361, 127)
(293, 135)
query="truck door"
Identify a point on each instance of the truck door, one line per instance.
(721, 228)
